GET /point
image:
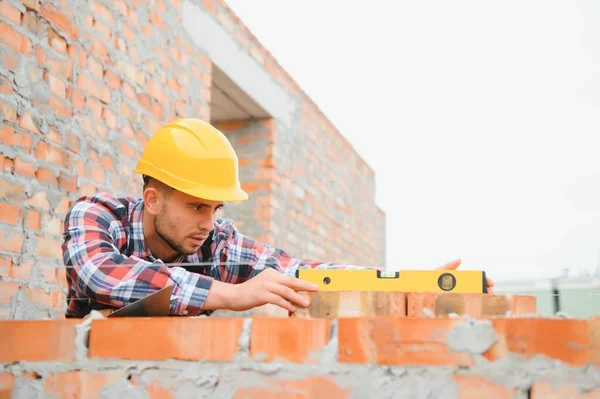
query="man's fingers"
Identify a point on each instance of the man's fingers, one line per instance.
(490, 282)
(279, 301)
(288, 294)
(450, 265)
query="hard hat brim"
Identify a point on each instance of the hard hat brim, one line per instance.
(225, 194)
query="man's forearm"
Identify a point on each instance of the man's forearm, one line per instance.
(220, 296)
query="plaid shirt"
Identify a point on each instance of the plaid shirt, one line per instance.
(109, 264)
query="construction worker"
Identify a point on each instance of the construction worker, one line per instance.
(119, 250)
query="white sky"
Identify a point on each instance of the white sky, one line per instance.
(481, 120)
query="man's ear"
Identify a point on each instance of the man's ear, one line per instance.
(153, 200)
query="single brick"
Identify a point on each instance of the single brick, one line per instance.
(37, 340)
(138, 338)
(397, 340)
(292, 340)
(560, 339)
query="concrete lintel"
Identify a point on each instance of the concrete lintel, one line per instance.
(236, 63)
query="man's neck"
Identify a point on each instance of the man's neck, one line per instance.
(157, 246)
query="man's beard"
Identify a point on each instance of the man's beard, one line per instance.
(160, 222)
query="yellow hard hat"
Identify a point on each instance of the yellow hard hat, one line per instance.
(192, 156)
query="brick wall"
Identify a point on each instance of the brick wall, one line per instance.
(262, 357)
(84, 84)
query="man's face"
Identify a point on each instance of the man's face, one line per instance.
(184, 222)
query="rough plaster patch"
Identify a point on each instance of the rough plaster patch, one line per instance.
(123, 389)
(82, 335)
(25, 388)
(473, 336)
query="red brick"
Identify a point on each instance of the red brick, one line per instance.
(306, 388)
(114, 81)
(6, 164)
(6, 385)
(293, 340)
(95, 68)
(10, 214)
(53, 155)
(396, 340)
(46, 176)
(477, 387)
(10, 60)
(48, 248)
(6, 86)
(33, 220)
(52, 299)
(76, 97)
(9, 191)
(37, 340)
(31, 4)
(103, 30)
(103, 12)
(39, 200)
(80, 384)
(5, 265)
(7, 290)
(99, 48)
(474, 305)
(54, 136)
(22, 271)
(31, 24)
(560, 339)
(57, 86)
(93, 87)
(59, 20)
(561, 389)
(67, 182)
(109, 118)
(10, 13)
(156, 91)
(24, 168)
(56, 41)
(138, 338)
(26, 122)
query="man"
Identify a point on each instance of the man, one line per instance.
(119, 250)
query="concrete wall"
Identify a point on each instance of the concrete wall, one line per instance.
(84, 84)
(357, 357)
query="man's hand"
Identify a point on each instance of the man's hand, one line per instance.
(269, 286)
(454, 265)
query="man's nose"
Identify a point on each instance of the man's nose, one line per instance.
(207, 223)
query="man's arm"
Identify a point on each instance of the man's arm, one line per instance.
(256, 256)
(98, 270)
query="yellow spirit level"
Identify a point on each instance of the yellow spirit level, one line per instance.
(455, 281)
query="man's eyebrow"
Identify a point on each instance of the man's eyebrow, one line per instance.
(194, 203)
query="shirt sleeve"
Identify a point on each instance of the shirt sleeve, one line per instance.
(100, 272)
(246, 258)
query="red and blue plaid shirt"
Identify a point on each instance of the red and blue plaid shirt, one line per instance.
(109, 264)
